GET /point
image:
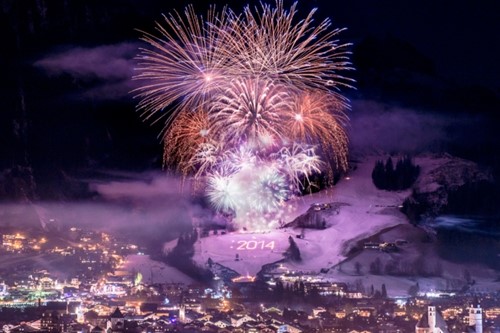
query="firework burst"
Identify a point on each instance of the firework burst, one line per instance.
(253, 103)
(318, 118)
(273, 43)
(182, 141)
(270, 190)
(183, 65)
(250, 110)
(298, 162)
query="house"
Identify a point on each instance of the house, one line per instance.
(222, 323)
(24, 328)
(289, 329)
(117, 320)
(240, 320)
(97, 329)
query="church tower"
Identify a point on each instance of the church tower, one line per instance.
(182, 313)
(431, 322)
(117, 319)
(476, 319)
(431, 313)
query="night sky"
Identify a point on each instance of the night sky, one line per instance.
(427, 77)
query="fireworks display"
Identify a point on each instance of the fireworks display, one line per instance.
(251, 104)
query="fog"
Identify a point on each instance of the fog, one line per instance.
(105, 70)
(382, 127)
(151, 207)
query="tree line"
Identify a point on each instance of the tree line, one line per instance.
(387, 177)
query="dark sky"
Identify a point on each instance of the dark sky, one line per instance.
(67, 68)
(460, 37)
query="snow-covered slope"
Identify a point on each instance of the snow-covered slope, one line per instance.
(154, 271)
(365, 210)
(357, 210)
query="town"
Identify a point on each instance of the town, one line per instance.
(79, 283)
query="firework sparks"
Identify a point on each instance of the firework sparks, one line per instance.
(318, 118)
(250, 110)
(297, 52)
(254, 100)
(183, 65)
(182, 141)
(298, 162)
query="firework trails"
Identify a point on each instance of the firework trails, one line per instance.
(253, 101)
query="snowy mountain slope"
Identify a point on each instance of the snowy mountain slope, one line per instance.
(365, 211)
(355, 212)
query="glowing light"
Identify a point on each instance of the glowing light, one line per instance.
(244, 278)
(255, 108)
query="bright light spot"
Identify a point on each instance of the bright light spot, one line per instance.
(298, 117)
(204, 132)
(401, 302)
(243, 278)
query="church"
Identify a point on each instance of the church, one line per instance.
(433, 322)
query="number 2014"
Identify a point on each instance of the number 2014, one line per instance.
(254, 245)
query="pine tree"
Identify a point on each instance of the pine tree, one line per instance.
(401, 175)
(357, 267)
(293, 250)
(389, 174)
(387, 177)
(302, 288)
(279, 290)
(378, 175)
(384, 291)
(376, 267)
(194, 235)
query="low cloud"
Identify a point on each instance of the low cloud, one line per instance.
(142, 187)
(149, 208)
(380, 127)
(108, 62)
(109, 68)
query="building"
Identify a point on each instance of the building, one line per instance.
(117, 320)
(237, 321)
(46, 283)
(475, 319)
(50, 321)
(431, 322)
(288, 329)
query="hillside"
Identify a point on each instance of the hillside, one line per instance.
(357, 210)
(353, 212)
